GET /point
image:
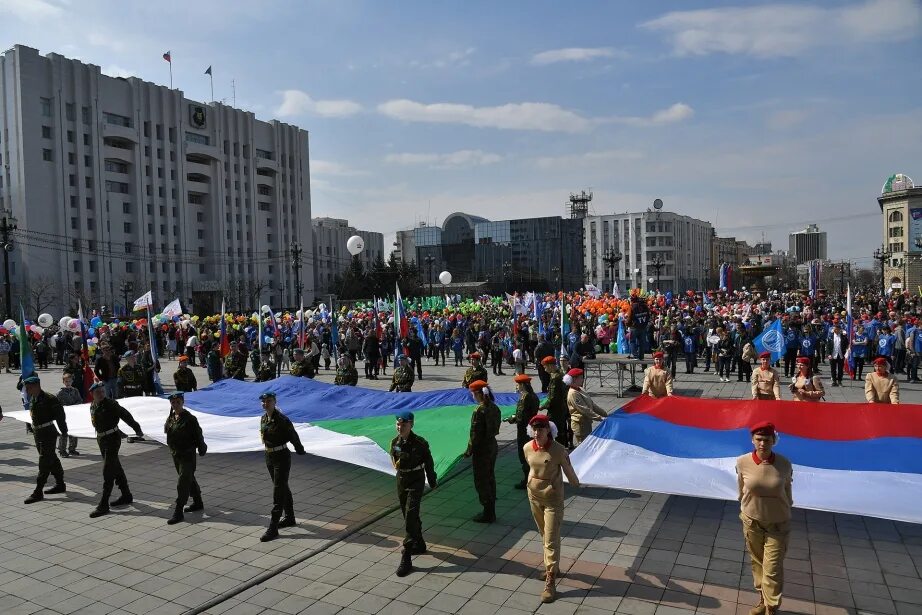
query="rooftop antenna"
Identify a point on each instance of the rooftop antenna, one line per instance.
(579, 204)
(234, 92)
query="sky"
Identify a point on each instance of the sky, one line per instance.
(758, 117)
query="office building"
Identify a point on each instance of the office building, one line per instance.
(121, 185)
(808, 244)
(901, 208)
(405, 247)
(331, 258)
(678, 246)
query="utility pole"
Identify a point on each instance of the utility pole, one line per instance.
(429, 260)
(296, 265)
(7, 226)
(881, 255)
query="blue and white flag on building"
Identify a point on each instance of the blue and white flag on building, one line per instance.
(771, 340)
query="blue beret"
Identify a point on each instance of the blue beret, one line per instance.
(404, 416)
(33, 379)
(179, 394)
(267, 394)
(97, 385)
(129, 353)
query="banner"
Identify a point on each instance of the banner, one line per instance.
(144, 301)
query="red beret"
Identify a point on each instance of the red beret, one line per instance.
(765, 428)
(765, 355)
(880, 361)
(803, 360)
(475, 355)
(657, 355)
(573, 373)
(547, 360)
(539, 419)
(477, 385)
(521, 378)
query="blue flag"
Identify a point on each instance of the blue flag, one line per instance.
(26, 361)
(622, 339)
(422, 334)
(771, 340)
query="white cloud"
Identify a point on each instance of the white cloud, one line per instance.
(114, 70)
(31, 10)
(675, 113)
(455, 58)
(544, 117)
(326, 167)
(602, 157)
(296, 102)
(461, 158)
(779, 30)
(574, 54)
(100, 39)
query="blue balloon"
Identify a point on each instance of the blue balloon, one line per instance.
(95, 321)
(92, 331)
(267, 340)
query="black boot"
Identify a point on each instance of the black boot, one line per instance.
(59, 487)
(419, 548)
(272, 532)
(487, 516)
(124, 500)
(195, 506)
(177, 516)
(289, 519)
(406, 566)
(35, 497)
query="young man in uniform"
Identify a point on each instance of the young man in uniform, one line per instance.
(412, 459)
(45, 410)
(105, 414)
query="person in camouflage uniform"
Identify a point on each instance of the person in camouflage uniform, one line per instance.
(130, 377)
(403, 376)
(68, 396)
(183, 377)
(235, 365)
(556, 402)
(346, 374)
(184, 437)
(45, 410)
(475, 372)
(413, 462)
(482, 449)
(105, 414)
(300, 366)
(255, 359)
(525, 409)
(266, 370)
(276, 431)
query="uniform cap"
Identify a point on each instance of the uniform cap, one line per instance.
(547, 360)
(764, 428)
(403, 358)
(573, 373)
(177, 394)
(97, 385)
(477, 385)
(474, 355)
(657, 355)
(803, 360)
(267, 394)
(31, 380)
(880, 361)
(521, 378)
(128, 354)
(539, 420)
(403, 417)
(182, 357)
(299, 351)
(765, 355)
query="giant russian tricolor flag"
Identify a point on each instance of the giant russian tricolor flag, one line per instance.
(863, 459)
(349, 424)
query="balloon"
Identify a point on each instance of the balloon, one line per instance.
(264, 309)
(94, 322)
(74, 325)
(355, 245)
(63, 322)
(91, 342)
(38, 329)
(45, 320)
(92, 332)
(217, 335)
(445, 277)
(9, 323)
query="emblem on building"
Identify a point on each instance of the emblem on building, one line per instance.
(197, 115)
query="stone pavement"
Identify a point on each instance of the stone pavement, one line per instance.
(624, 552)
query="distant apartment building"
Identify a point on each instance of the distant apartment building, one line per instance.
(331, 257)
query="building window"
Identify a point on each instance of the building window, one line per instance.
(70, 136)
(86, 140)
(201, 267)
(89, 202)
(192, 137)
(86, 115)
(70, 112)
(46, 132)
(199, 216)
(119, 187)
(71, 158)
(76, 266)
(90, 224)
(126, 208)
(201, 234)
(88, 181)
(195, 199)
(74, 224)
(46, 155)
(117, 120)
(264, 190)
(116, 166)
(160, 132)
(46, 107)
(895, 216)
(264, 206)
(129, 267)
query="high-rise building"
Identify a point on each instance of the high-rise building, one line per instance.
(405, 246)
(901, 208)
(678, 245)
(808, 244)
(332, 258)
(121, 185)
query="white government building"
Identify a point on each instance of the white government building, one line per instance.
(115, 182)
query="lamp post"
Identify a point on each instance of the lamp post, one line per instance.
(7, 226)
(429, 260)
(556, 271)
(657, 263)
(126, 287)
(882, 255)
(296, 265)
(507, 267)
(281, 296)
(612, 258)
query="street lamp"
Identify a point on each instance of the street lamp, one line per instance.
(127, 287)
(507, 267)
(612, 258)
(657, 263)
(556, 271)
(7, 226)
(882, 255)
(429, 260)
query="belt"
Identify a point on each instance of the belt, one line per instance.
(272, 449)
(100, 434)
(419, 467)
(39, 426)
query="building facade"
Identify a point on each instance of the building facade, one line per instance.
(680, 245)
(808, 244)
(331, 258)
(901, 208)
(120, 185)
(405, 247)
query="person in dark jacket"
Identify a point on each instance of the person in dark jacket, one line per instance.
(184, 437)
(276, 431)
(525, 409)
(105, 414)
(45, 410)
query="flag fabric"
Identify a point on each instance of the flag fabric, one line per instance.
(847, 458)
(564, 326)
(401, 324)
(349, 424)
(259, 331)
(849, 359)
(622, 337)
(153, 350)
(538, 311)
(615, 292)
(422, 333)
(225, 342)
(173, 309)
(593, 290)
(144, 301)
(168, 56)
(208, 71)
(301, 331)
(88, 376)
(771, 340)
(26, 360)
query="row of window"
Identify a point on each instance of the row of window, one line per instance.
(129, 268)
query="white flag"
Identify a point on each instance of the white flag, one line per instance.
(144, 301)
(173, 309)
(593, 291)
(615, 292)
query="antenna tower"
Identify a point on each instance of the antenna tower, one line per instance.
(579, 204)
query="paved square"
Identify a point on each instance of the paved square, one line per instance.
(623, 552)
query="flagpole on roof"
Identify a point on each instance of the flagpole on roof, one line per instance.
(211, 78)
(168, 56)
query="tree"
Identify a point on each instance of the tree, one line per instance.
(254, 290)
(41, 292)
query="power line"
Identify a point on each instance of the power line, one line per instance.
(835, 220)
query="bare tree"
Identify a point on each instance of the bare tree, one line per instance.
(255, 290)
(41, 293)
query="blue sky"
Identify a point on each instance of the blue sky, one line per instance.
(760, 117)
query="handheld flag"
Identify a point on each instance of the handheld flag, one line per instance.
(564, 326)
(849, 359)
(88, 375)
(225, 343)
(401, 325)
(144, 301)
(173, 309)
(771, 340)
(622, 338)
(27, 362)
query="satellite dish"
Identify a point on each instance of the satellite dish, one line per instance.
(658, 204)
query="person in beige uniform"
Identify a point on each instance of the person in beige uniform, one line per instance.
(807, 386)
(547, 460)
(765, 381)
(764, 478)
(879, 386)
(657, 382)
(581, 407)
